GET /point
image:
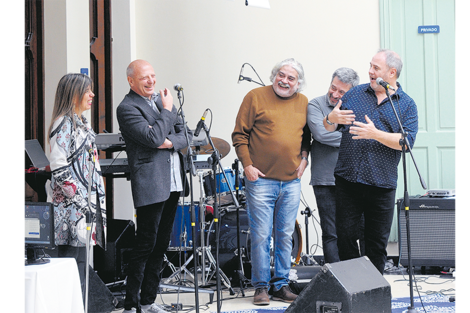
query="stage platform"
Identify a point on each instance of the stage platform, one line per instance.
(433, 282)
(399, 287)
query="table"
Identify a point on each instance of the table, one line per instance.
(53, 287)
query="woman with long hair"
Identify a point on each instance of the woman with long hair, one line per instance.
(76, 180)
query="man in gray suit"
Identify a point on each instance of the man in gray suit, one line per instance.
(154, 136)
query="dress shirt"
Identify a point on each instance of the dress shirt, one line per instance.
(368, 161)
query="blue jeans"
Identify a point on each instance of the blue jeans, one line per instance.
(271, 203)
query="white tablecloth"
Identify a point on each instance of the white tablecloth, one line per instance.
(53, 287)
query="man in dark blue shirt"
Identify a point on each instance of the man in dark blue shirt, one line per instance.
(366, 172)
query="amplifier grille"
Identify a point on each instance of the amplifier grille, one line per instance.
(432, 232)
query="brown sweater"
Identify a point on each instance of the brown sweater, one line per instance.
(270, 132)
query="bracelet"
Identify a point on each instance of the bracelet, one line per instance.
(328, 121)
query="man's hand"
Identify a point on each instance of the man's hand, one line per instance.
(167, 144)
(252, 173)
(369, 131)
(300, 170)
(339, 116)
(363, 130)
(167, 99)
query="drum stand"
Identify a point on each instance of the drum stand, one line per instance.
(204, 250)
(214, 160)
(189, 166)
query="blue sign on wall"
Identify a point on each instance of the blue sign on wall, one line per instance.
(84, 71)
(430, 29)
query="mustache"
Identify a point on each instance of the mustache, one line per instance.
(283, 85)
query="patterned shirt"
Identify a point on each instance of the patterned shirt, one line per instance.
(368, 161)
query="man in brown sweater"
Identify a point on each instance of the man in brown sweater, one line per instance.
(272, 140)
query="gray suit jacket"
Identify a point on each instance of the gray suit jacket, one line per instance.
(144, 130)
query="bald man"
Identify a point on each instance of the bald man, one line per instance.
(366, 172)
(154, 135)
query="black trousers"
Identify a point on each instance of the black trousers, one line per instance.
(377, 205)
(154, 226)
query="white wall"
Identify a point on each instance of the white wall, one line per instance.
(66, 46)
(203, 44)
(124, 47)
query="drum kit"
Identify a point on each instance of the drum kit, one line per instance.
(234, 233)
(219, 187)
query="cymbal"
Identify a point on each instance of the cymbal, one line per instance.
(220, 144)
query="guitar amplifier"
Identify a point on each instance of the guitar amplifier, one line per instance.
(432, 231)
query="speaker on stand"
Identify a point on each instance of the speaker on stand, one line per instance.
(112, 264)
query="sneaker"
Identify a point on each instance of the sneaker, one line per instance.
(153, 308)
(261, 296)
(133, 310)
(284, 294)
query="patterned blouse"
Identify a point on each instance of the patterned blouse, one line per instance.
(70, 166)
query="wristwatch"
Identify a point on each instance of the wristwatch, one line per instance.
(306, 159)
(328, 121)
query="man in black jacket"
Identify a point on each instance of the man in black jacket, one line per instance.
(154, 136)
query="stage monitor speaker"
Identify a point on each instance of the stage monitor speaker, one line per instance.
(432, 231)
(100, 298)
(347, 286)
(112, 264)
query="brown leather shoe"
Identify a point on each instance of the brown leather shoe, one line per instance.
(261, 296)
(284, 294)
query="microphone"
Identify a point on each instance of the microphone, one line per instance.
(383, 83)
(200, 124)
(240, 77)
(178, 87)
(244, 78)
(91, 151)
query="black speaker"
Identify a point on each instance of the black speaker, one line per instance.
(432, 231)
(100, 298)
(112, 264)
(347, 286)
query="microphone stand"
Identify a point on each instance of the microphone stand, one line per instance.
(308, 213)
(406, 200)
(190, 164)
(240, 272)
(241, 77)
(214, 160)
(88, 217)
